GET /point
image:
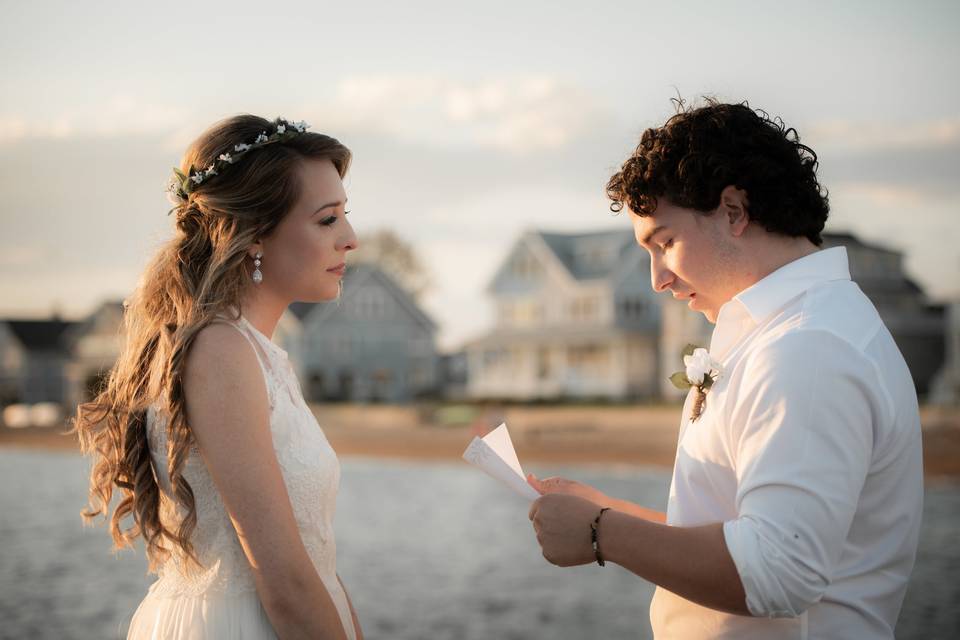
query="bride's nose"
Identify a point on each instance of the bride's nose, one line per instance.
(348, 241)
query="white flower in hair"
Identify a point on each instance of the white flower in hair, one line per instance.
(173, 191)
(182, 184)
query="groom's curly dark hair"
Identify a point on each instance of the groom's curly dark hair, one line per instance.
(699, 151)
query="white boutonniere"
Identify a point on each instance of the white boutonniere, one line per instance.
(701, 371)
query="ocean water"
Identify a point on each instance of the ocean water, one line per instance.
(427, 550)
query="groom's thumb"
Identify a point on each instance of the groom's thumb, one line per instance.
(535, 483)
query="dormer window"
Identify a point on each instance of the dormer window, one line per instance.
(525, 266)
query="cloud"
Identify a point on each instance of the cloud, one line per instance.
(865, 136)
(901, 161)
(518, 114)
(118, 116)
(881, 195)
(67, 290)
(22, 256)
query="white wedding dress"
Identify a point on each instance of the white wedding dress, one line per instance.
(220, 601)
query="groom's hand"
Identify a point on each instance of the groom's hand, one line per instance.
(557, 484)
(562, 523)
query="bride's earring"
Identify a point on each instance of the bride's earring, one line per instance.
(257, 275)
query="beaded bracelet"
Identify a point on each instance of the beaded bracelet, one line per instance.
(594, 529)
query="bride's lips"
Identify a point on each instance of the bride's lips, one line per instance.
(340, 269)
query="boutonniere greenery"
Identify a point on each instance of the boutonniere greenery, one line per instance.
(700, 372)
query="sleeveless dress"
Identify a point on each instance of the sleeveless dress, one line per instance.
(220, 600)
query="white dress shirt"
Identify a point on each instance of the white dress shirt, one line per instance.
(809, 453)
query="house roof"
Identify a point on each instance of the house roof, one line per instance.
(41, 335)
(81, 328)
(593, 255)
(843, 238)
(356, 276)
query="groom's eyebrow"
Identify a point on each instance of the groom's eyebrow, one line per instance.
(647, 238)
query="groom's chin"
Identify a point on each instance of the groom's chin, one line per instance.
(709, 314)
(697, 305)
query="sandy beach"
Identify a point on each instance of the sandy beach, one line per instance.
(641, 435)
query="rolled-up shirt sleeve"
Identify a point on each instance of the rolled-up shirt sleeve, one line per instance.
(801, 431)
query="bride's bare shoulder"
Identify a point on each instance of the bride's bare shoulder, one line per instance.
(221, 366)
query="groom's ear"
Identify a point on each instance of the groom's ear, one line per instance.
(734, 206)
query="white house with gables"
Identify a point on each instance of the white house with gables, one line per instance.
(575, 318)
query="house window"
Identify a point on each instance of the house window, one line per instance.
(543, 363)
(422, 347)
(525, 266)
(584, 309)
(493, 357)
(420, 376)
(315, 387)
(506, 312)
(380, 384)
(632, 308)
(588, 358)
(527, 313)
(370, 303)
(345, 385)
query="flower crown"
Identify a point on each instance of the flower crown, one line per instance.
(182, 184)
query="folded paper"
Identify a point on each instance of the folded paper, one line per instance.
(494, 455)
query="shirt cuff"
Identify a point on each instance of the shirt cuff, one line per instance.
(765, 595)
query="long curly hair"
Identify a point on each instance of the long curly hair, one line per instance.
(200, 273)
(699, 151)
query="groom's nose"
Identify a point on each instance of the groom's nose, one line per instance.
(660, 277)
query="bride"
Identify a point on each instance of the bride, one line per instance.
(202, 428)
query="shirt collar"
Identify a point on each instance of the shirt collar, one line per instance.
(758, 301)
(786, 283)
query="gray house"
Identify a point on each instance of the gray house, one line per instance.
(945, 388)
(33, 361)
(917, 326)
(374, 344)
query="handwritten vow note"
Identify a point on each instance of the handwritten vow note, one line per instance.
(494, 455)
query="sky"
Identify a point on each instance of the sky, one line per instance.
(469, 122)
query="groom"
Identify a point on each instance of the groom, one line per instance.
(794, 509)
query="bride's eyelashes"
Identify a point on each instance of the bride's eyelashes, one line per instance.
(329, 220)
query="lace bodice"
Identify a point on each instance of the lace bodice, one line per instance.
(310, 470)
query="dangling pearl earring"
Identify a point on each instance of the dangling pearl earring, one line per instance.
(257, 275)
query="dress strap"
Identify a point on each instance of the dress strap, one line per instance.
(261, 355)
